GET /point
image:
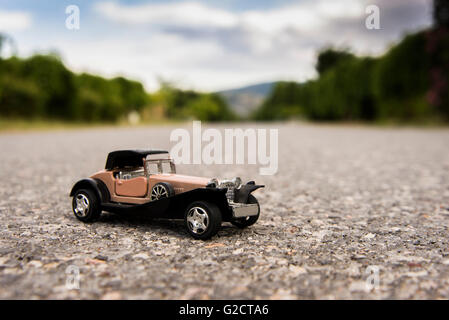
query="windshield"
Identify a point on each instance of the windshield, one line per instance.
(166, 167)
(160, 166)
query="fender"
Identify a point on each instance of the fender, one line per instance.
(174, 207)
(180, 202)
(92, 184)
(241, 195)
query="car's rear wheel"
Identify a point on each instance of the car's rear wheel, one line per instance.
(86, 205)
(161, 190)
(248, 221)
(202, 219)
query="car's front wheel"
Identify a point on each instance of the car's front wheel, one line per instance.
(85, 205)
(248, 221)
(202, 219)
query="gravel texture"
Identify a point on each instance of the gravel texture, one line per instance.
(346, 201)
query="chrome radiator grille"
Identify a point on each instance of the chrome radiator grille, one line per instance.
(231, 190)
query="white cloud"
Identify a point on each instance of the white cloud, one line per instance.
(317, 21)
(202, 47)
(191, 14)
(14, 20)
(307, 14)
(168, 56)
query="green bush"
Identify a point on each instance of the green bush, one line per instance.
(41, 86)
(56, 84)
(188, 104)
(329, 58)
(395, 86)
(20, 98)
(209, 107)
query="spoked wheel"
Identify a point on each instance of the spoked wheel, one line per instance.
(85, 205)
(202, 219)
(161, 190)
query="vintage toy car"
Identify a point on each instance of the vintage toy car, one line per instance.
(134, 182)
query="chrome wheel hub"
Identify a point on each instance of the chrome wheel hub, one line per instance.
(82, 205)
(159, 192)
(197, 220)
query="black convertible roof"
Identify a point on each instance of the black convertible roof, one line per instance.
(129, 158)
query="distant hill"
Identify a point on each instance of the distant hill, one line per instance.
(244, 100)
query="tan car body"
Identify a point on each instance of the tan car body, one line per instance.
(137, 190)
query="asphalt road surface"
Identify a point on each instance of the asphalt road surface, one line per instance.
(353, 213)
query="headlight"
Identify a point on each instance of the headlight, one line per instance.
(231, 185)
(237, 182)
(213, 183)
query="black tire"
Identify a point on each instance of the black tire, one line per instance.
(92, 208)
(169, 191)
(212, 225)
(248, 221)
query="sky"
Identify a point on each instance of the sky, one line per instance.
(206, 45)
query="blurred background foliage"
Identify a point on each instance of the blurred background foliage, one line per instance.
(180, 104)
(41, 87)
(409, 83)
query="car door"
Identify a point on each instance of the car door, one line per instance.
(131, 187)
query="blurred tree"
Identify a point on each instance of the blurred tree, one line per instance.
(19, 98)
(177, 100)
(395, 86)
(438, 54)
(441, 13)
(41, 86)
(54, 81)
(186, 104)
(283, 102)
(132, 93)
(402, 79)
(329, 58)
(343, 92)
(204, 108)
(99, 99)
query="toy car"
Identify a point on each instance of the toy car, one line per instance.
(132, 183)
